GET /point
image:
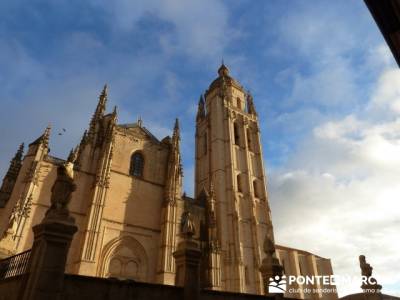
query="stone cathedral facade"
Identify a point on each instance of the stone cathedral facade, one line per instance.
(129, 206)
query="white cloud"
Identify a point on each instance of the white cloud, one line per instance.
(387, 94)
(338, 195)
(199, 28)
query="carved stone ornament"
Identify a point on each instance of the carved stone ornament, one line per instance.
(369, 283)
(61, 193)
(188, 229)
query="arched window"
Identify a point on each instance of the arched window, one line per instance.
(239, 183)
(256, 189)
(137, 163)
(236, 133)
(238, 103)
(249, 140)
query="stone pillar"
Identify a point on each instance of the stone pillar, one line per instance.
(52, 239)
(187, 259)
(48, 258)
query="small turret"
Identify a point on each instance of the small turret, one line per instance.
(174, 175)
(73, 154)
(200, 110)
(16, 162)
(223, 71)
(11, 176)
(250, 105)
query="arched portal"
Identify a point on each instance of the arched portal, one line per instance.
(124, 258)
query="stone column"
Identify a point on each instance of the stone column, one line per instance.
(187, 259)
(52, 239)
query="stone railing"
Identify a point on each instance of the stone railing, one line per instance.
(14, 265)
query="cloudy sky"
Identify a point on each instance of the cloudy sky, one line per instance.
(325, 85)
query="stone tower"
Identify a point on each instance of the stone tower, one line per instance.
(230, 168)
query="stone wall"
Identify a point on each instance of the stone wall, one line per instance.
(78, 287)
(10, 287)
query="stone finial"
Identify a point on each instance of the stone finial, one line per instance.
(188, 229)
(46, 136)
(101, 107)
(16, 162)
(20, 152)
(99, 112)
(369, 283)
(104, 92)
(61, 193)
(73, 155)
(115, 111)
(223, 70)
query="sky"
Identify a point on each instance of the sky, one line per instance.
(325, 85)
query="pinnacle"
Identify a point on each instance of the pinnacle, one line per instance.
(201, 99)
(176, 127)
(223, 70)
(105, 90)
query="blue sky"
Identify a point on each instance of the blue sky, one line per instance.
(324, 82)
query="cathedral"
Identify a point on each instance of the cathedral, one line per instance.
(129, 206)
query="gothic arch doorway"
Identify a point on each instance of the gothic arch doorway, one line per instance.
(124, 258)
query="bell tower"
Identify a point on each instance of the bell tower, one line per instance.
(229, 161)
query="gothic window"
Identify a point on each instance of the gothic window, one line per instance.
(249, 140)
(239, 183)
(256, 188)
(137, 163)
(126, 263)
(236, 133)
(238, 103)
